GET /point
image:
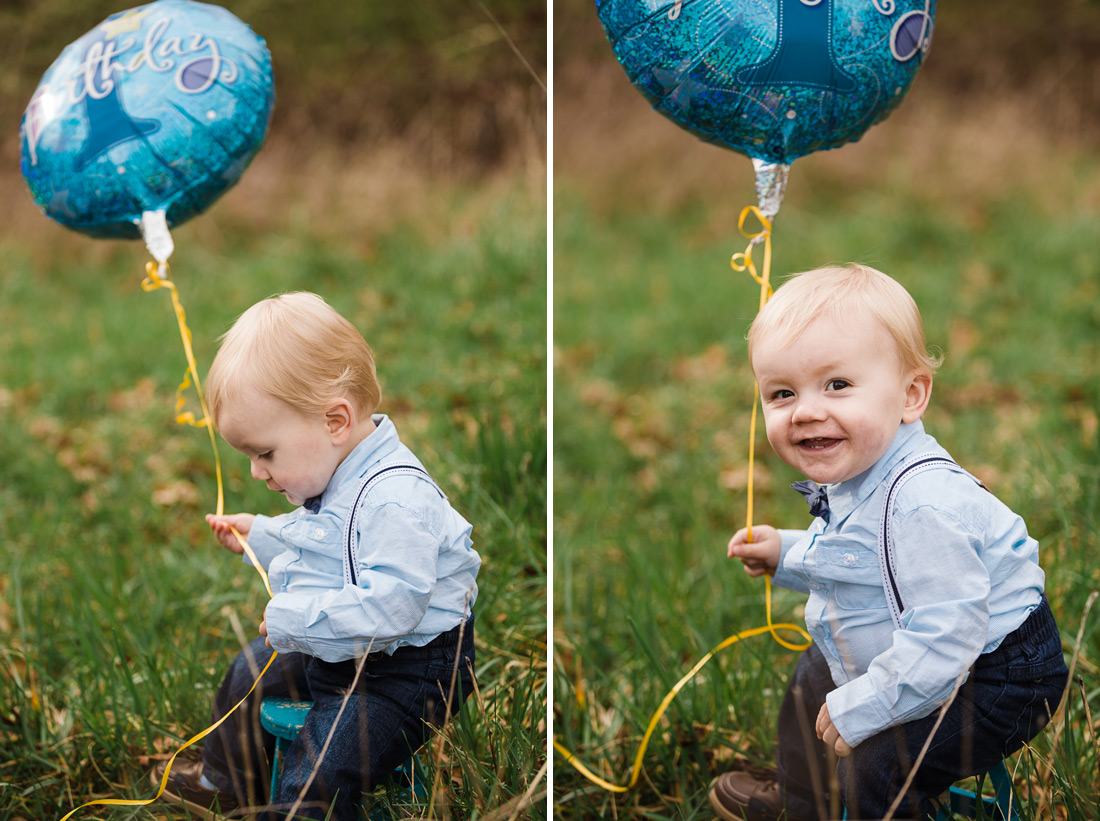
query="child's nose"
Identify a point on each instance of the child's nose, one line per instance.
(258, 472)
(808, 409)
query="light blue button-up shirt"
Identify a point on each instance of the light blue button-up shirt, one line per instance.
(417, 568)
(967, 571)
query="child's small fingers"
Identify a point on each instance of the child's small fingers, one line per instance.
(750, 553)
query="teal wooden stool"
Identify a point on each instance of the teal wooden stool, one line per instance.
(1001, 807)
(283, 718)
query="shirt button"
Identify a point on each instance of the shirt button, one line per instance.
(318, 533)
(849, 559)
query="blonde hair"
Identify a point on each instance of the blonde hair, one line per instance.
(840, 292)
(296, 348)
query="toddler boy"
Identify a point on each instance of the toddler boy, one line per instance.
(373, 562)
(918, 577)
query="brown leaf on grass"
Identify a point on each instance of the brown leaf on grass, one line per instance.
(570, 363)
(86, 465)
(639, 424)
(708, 366)
(737, 478)
(647, 478)
(83, 453)
(962, 336)
(179, 491)
(141, 396)
(640, 444)
(981, 393)
(47, 429)
(164, 747)
(650, 430)
(1086, 420)
(989, 475)
(601, 394)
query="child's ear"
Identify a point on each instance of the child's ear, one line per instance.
(340, 419)
(917, 395)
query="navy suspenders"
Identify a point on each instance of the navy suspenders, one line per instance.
(908, 469)
(351, 524)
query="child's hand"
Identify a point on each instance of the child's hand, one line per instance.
(828, 733)
(759, 556)
(221, 526)
(263, 629)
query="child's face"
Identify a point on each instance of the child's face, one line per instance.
(834, 398)
(292, 452)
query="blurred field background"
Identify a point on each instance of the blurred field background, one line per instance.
(404, 179)
(981, 194)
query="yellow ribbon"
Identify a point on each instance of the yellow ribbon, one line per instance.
(739, 262)
(157, 278)
(743, 262)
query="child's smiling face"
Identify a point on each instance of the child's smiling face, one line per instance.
(291, 452)
(833, 398)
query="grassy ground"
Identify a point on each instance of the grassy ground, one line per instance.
(118, 612)
(987, 215)
(403, 180)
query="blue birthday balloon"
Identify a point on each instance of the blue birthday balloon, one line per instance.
(157, 109)
(772, 79)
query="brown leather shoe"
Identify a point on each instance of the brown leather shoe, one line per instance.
(184, 786)
(743, 796)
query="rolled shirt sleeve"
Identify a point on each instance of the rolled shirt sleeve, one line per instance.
(263, 538)
(944, 587)
(783, 577)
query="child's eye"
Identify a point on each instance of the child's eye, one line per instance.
(781, 394)
(838, 384)
(265, 456)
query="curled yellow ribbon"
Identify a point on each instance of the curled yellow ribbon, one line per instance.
(739, 262)
(157, 278)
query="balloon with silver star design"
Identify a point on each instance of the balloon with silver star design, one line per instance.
(772, 79)
(157, 110)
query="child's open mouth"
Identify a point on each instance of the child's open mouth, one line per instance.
(817, 443)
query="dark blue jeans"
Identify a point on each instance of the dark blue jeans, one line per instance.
(396, 701)
(1009, 697)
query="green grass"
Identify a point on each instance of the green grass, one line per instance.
(652, 395)
(118, 611)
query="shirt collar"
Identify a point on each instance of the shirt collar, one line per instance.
(846, 496)
(377, 445)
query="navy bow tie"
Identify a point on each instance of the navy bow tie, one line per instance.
(313, 504)
(816, 498)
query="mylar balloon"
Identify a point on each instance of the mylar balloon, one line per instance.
(773, 79)
(158, 109)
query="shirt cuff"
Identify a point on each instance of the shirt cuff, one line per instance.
(782, 578)
(289, 630)
(263, 543)
(855, 711)
(285, 616)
